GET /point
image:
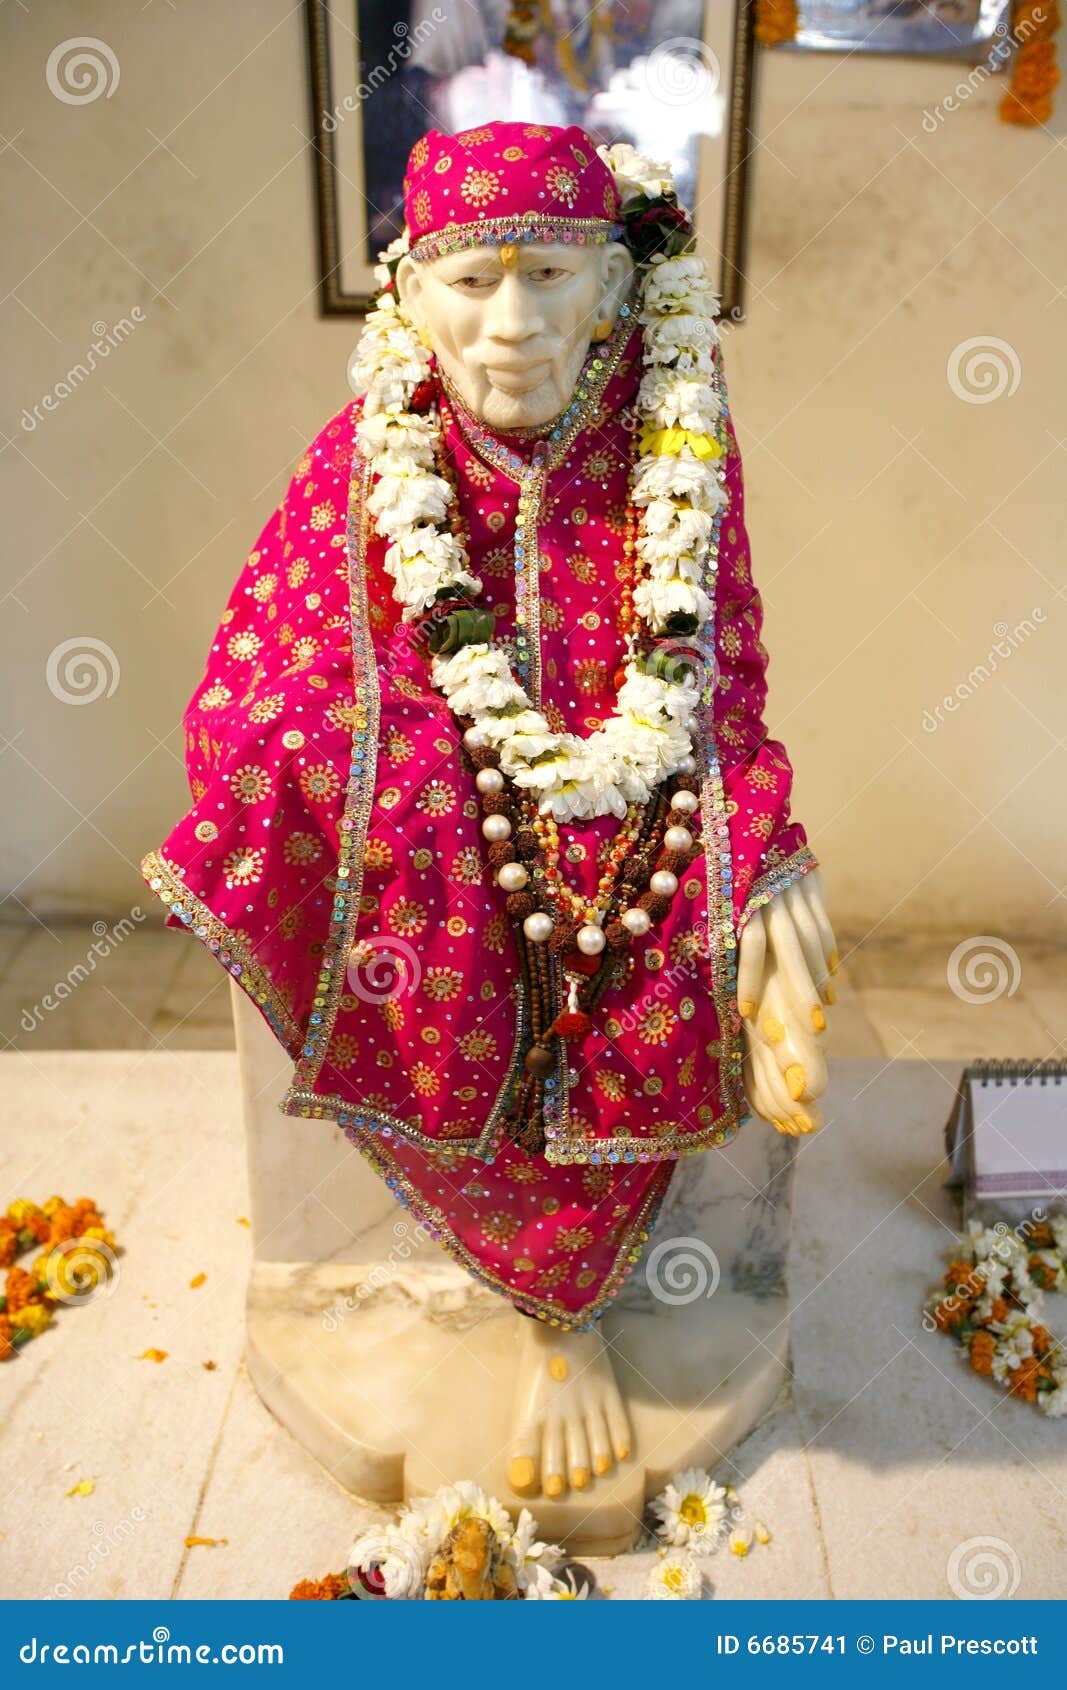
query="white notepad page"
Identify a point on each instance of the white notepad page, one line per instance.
(1020, 1138)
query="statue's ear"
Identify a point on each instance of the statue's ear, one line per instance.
(409, 288)
(617, 276)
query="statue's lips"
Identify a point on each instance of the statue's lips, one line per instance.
(517, 378)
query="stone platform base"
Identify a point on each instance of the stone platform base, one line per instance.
(409, 1386)
(397, 1371)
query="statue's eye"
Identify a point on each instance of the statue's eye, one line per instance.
(474, 284)
(548, 273)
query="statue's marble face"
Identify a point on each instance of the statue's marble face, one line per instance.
(511, 327)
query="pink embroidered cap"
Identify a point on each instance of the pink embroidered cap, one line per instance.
(504, 183)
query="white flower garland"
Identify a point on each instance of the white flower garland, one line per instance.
(678, 486)
(402, 1553)
(1001, 1302)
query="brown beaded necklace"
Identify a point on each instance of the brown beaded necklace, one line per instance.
(570, 949)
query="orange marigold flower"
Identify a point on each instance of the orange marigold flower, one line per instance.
(999, 1309)
(8, 1245)
(964, 1278)
(1041, 1236)
(1043, 1341)
(1023, 1381)
(7, 1348)
(951, 1312)
(21, 1289)
(330, 1589)
(1042, 1273)
(983, 1348)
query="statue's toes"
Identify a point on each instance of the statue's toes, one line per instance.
(553, 1458)
(523, 1472)
(578, 1458)
(596, 1431)
(618, 1422)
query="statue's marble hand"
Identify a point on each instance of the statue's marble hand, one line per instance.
(787, 956)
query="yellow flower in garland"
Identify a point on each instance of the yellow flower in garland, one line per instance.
(33, 1319)
(671, 443)
(77, 1258)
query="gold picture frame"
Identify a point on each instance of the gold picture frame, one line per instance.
(698, 90)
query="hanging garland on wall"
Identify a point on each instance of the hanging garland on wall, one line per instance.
(1034, 71)
(776, 21)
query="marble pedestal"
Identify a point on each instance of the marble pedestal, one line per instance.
(396, 1370)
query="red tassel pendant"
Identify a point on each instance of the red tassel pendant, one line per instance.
(573, 1024)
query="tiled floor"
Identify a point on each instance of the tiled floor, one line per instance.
(149, 988)
(892, 1472)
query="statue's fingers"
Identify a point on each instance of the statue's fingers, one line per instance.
(814, 891)
(808, 933)
(797, 1053)
(770, 1093)
(807, 1118)
(789, 959)
(752, 952)
(758, 1070)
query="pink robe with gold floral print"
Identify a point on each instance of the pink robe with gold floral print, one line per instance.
(333, 860)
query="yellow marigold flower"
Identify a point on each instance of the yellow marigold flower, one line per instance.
(22, 1211)
(33, 1318)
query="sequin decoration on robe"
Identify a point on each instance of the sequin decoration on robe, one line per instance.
(333, 858)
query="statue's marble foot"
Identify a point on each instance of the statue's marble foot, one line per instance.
(570, 1420)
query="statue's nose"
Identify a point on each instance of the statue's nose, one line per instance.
(512, 316)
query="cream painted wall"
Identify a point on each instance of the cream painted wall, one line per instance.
(894, 525)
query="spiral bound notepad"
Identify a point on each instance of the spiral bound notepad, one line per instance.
(1007, 1135)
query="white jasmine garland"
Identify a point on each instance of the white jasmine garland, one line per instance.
(650, 732)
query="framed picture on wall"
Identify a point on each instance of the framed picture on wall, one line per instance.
(674, 80)
(950, 28)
